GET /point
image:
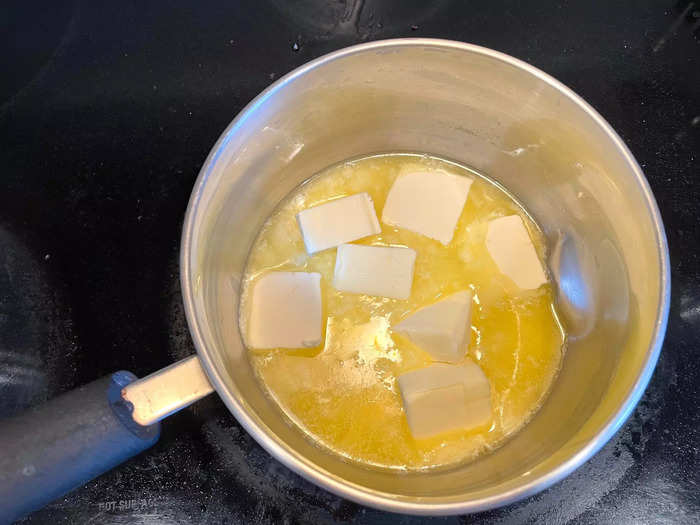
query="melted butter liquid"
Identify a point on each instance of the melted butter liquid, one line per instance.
(344, 394)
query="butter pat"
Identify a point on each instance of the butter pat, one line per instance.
(285, 311)
(337, 222)
(428, 203)
(441, 398)
(511, 248)
(441, 328)
(386, 271)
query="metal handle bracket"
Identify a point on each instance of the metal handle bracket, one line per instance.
(166, 391)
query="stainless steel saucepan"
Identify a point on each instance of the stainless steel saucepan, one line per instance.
(487, 110)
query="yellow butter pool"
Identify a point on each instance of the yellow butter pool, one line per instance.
(343, 394)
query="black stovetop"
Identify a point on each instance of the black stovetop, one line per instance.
(106, 114)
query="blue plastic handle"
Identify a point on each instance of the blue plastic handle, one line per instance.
(61, 445)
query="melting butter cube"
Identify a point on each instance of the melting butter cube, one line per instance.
(442, 397)
(428, 203)
(511, 248)
(285, 311)
(337, 222)
(440, 329)
(385, 271)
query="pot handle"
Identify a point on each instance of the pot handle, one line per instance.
(59, 446)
